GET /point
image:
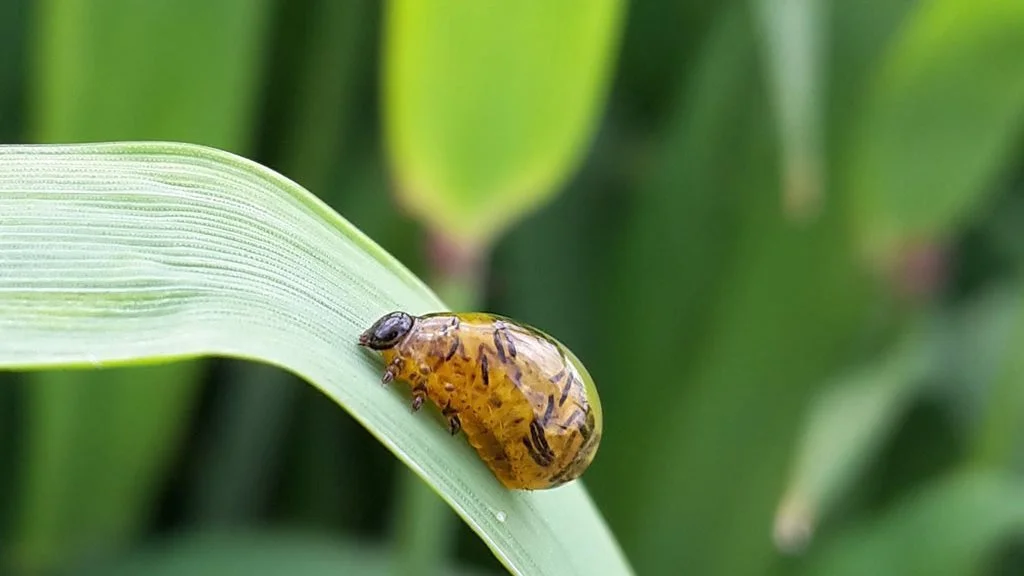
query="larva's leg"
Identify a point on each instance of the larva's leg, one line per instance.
(419, 395)
(454, 424)
(393, 369)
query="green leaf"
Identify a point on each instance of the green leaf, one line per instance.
(97, 447)
(120, 70)
(947, 527)
(955, 354)
(939, 120)
(847, 423)
(761, 310)
(138, 253)
(675, 210)
(990, 358)
(489, 107)
(791, 31)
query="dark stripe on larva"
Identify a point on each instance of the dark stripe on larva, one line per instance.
(570, 467)
(547, 447)
(558, 478)
(550, 409)
(535, 432)
(499, 347)
(540, 439)
(565, 390)
(517, 376)
(547, 456)
(590, 425)
(534, 454)
(564, 472)
(532, 451)
(452, 349)
(484, 369)
(554, 379)
(511, 344)
(575, 418)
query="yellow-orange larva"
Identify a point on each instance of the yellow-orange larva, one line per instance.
(525, 402)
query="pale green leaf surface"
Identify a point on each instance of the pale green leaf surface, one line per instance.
(938, 121)
(122, 254)
(490, 106)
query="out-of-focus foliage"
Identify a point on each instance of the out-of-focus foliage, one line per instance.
(862, 356)
(251, 553)
(792, 44)
(488, 107)
(941, 113)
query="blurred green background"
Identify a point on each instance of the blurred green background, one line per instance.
(785, 236)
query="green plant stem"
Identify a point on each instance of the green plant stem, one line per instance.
(426, 527)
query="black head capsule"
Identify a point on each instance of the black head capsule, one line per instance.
(387, 332)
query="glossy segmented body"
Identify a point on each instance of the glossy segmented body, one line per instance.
(524, 401)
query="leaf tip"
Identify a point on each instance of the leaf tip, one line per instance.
(794, 524)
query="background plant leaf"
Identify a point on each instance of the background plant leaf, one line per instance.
(744, 359)
(996, 394)
(960, 355)
(529, 76)
(792, 45)
(938, 120)
(848, 422)
(956, 522)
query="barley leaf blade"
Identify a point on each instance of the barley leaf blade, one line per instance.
(136, 253)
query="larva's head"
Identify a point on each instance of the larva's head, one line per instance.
(387, 332)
